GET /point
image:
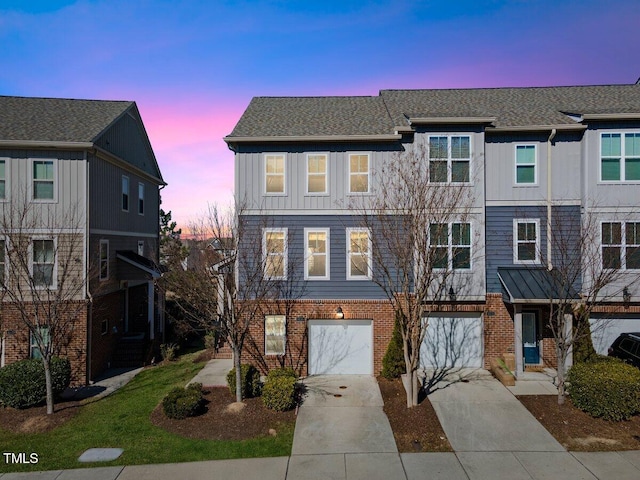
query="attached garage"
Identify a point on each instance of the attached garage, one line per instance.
(452, 341)
(605, 329)
(340, 347)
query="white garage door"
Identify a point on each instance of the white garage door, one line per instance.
(452, 342)
(340, 347)
(605, 330)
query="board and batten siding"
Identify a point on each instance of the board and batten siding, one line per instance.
(105, 190)
(68, 208)
(565, 163)
(499, 236)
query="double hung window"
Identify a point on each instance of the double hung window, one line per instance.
(449, 159)
(274, 247)
(358, 254)
(526, 249)
(621, 245)
(450, 245)
(620, 157)
(317, 257)
(275, 334)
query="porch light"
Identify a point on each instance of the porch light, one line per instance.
(626, 297)
(339, 313)
(452, 294)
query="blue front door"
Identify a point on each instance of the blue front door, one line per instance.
(530, 338)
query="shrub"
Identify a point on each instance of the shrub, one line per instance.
(185, 402)
(169, 351)
(605, 389)
(250, 381)
(281, 372)
(23, 385)
(393, 361)
(279, 393)
(583, 350)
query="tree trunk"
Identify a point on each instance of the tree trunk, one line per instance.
(561, 388)
(49, 387)
(237, 366)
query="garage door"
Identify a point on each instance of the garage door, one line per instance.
(605, 330)
(340, 347)
(452, 342)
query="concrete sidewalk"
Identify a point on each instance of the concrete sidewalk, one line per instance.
(374, 466)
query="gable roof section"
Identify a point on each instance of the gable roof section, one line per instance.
(395, 111)
(70, 123)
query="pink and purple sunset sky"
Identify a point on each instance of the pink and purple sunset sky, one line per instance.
(192, 66)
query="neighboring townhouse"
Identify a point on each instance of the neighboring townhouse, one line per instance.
(539, 161)
(86, 172)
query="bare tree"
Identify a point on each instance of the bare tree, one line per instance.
(46, 275)
(229, 281)
(585, 275)
(420, 239)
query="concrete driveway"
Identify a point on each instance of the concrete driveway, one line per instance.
(481, 415)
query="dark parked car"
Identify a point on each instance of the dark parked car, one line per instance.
(627, 348)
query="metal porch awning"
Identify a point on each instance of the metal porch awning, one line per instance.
(534, 285)
(136, 267)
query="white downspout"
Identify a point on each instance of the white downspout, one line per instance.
(549, 202)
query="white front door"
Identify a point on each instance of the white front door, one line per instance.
(340, 347)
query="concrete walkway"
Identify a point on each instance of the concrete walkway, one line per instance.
(333, 440)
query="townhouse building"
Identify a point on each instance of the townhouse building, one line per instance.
(540, 162)
(79, 189)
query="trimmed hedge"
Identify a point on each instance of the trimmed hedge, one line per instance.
(250, 381)
(606, 389)
(281, 372)
(181, 403)
(279, 393)
(22, 384)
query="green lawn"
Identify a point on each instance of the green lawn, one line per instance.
(121, 420)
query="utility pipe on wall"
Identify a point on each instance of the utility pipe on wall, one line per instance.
(549, 140)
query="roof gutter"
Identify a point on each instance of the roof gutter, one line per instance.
(316, 138)
(46, 144)
(537, 128)
(456, 120)
(611, 116)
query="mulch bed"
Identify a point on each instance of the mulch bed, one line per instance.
(415, 429)
(218, 423)
(35, 419)
(578, 431)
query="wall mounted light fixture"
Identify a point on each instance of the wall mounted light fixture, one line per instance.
(339, 313)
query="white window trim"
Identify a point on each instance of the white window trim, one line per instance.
(54, 280)
(450, 267)
(307, 231)
(517, 221)
(368, 155)
(284, 173)
(100, 277)
(623, 172)
(535, 165)
(285, 253)
(55, 180)
(140, 248)
(326, 175)
(7, 178)
(623, 244)
(122, 193)
(284, 344)
(141, 210)
(450, 159)
(369, 274)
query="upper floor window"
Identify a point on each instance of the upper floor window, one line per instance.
(450, 245)
(358, 173)
(274, 248)
(526, 164)
(358, 254)
(274, 173)
(316, 173)
(141, 248)
(141, 198)
(43, 263)
(275, 334)
(3, 179)
(104, 259)
(449, 158)
(526, 248)
(620, 157)
(317, 258)
(43, 180)
(125, 193)
(621, 245)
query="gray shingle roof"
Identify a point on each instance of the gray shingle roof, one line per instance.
(314, 116)
(275, 117)
(56, 119)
